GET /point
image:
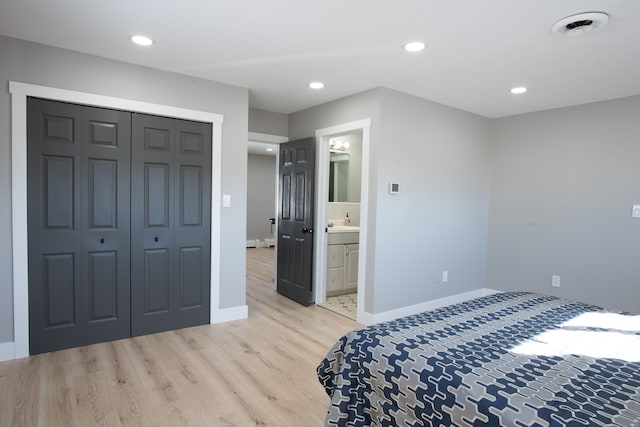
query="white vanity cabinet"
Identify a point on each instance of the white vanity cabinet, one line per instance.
(335, 268)
(342, 263)
(351, 253)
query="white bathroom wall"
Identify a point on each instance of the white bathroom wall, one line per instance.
(336, 211)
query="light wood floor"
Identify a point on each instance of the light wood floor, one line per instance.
(259, 371)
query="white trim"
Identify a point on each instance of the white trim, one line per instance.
(216, 220)
(19, 93)
(369, 319)
(19, 222)
(267, 138)
(232, 313)
(322, 195)
(6, 351)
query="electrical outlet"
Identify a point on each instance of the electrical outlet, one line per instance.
(555, 281)
(635, 211)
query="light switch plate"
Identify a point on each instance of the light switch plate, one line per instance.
(226, 200)
(635, 211)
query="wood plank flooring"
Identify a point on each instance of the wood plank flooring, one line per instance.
(258, 371)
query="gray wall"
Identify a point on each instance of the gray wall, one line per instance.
(261, 196)
(38, 64)
(564, 182)
(263, 121)
(440, 156)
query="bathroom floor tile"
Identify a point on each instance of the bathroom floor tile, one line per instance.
(342, 304)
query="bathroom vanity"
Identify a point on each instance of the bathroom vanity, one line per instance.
(342, 259)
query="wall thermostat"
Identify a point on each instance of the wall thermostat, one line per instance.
(394, 188)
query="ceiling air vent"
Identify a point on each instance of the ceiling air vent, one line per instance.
(580, 24)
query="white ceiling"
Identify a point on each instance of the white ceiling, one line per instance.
(477, 50)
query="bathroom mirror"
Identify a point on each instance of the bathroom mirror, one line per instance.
(338, 177)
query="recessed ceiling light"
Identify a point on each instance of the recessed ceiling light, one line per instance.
(518, 90)
(414, 47)
(316, 85)
(269, 149)
(580, 24)
(142, 40)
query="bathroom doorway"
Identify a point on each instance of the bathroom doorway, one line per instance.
(341, 218)
(343, 225)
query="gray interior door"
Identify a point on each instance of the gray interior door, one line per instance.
(78, 203)
(295, 220)
(171, 228)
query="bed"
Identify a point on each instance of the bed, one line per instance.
(508, 359)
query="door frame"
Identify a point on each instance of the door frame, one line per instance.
(19, 94)
(322, 197)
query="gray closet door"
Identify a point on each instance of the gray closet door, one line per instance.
(78, 203)
(171, 230)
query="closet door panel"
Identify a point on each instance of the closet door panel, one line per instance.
(103, 206)
(152, 191)
(190, 292)
(59, 288)
(78, 204)
(156, 195)
(102, 285)
(191, 188)
(54, 238)
(58, 197)
(193, 225)
(157, 281)
(105, 190)
(170, 213)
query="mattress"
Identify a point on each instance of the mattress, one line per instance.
(509, 359)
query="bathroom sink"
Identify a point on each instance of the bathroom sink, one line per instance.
(343, 229)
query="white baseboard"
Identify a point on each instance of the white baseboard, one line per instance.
(229, 314)
(6, 351)
(369, 319)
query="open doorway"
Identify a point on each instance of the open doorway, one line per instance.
(262, 188)
(343, 225)
(261, 192)
(341, 216)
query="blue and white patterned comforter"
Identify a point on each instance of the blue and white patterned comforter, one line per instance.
(511, 359)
